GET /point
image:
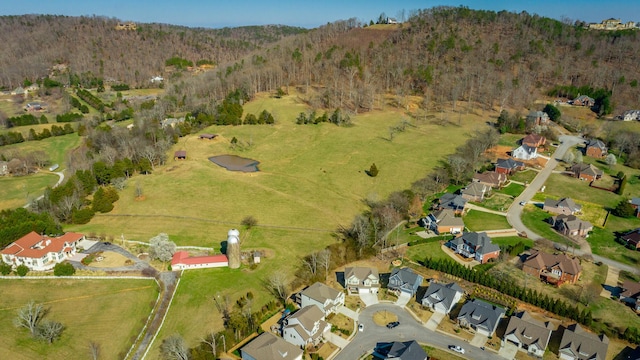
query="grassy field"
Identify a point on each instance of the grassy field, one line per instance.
(512, 240)
(55, 147)
(535, 219)
(559, 185)
(525, 176)
(482, 221)
(17, 191)
(512, 189)
(110, 313)
(420, 252)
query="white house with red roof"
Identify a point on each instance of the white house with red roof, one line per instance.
(182, 261)
(41, 252)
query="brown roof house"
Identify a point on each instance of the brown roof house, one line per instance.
(632, 238)
(564, 206)
(631, 294)
(583, 100)
(492, 179)
(586, 172)
(528, 334)
(534, 140)
(596, 148)
(305, 327)
(361, 280)
(475, 245)
(270, 347)
(443, 221)
(475, 191)
(537, 118)
(328, 299)
(571, 225)
(508, 166)
(577, 344)
(553, 268)
(180, 155)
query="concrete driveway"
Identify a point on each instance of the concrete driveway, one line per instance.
(369, 298)
(508, 351)
(403, 299)
(336, 340)
(479, 340)
(348, 313)
(435, 320)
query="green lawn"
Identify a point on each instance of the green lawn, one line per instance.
(560, 185)
(603, 242)
(108, 312)
(512, 189)
(525, 176)
(55, 147)
(508, 139)
(17, 191)
(497, 202)
(535, 219)
(420, 252)
(512, 240)
(482, 221)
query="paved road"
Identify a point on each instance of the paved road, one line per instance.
(60, 180)
(409, 329)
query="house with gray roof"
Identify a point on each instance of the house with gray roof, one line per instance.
(475, 191)
(475, 245)
(305, 327)
(508, 166)
(537, 118)
(361, 280)
(404, 280)
(528, 334)
(525, 152)
(399, 350)
(443, 221)
(270, 347)
(564, 206)
(586, 172)
(571, 225)
(596, 148)
(442, 297)
(453, 202)
(328, 299)
(630, 294)
(578, 344)
(480, 316)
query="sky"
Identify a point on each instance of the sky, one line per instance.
(305, 13)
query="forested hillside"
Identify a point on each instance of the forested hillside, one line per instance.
(32, 44)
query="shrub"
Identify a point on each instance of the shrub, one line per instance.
(22, 270)
(82, 216)
(373, 170)
(249, 221)
(5, 269)
(64, 269)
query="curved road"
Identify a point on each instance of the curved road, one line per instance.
(60, 180)
(409, 329)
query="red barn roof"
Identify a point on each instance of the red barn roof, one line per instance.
(182, 257)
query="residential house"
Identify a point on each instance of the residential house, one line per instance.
(528, 333)
(157, 79)
(635, 202)
(41, 252)
(537, 118)
(305, 327)
(475, 191)
(596, 148)
(564, 206)
(404, 280)
(534, 140)
(454, 202)
(631, 115)
(328, 299)
(399, 350)
(171, 122)
(631, 294)
(361, 280)
(553, 268)
(491, 179)
(584, 100)
(571, 225)
(182, 261)
(180, 155)
(35, 106)
(18, 91)
(525, 152)
(632, 238)
(577, 344)
(442, 222)
(4, 168)
(475, 245)
(508, 166)
(480, 316)
(586, 172)
(270, 347)
(442, 297)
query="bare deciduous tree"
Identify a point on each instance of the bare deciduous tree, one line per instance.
(50, 330)
(324, 259)
(278, 285)
(30, 316)
(174, 348)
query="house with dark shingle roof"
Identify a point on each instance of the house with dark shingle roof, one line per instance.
(180, 155)
(525, 152)
(480, 316)
(564, 206)
(443, 221)
(475, 191)
(596, 148)
(491, 179)
(534, 140)
(577, 344)
(404, 280)
(586, 172)
(631, 294)
(328, 299)
(476, 245)
(528, 334)
(305, 327)
(553, 268)
(632, 238)
(508, 166)
(536, 118)
(635, 202)
(571, 225)
(453, 202)
(583, 100)
(442, 297)
(267, 346)
(399, 350)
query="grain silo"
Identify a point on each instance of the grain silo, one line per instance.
(233, 248)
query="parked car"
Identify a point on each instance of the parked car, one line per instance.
(523, 203)
(393, 324)
(456, 348)
(361, 327)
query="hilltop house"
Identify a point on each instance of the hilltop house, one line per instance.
(632, 238)
(525, 152)
(584, 100)
(564, 206)
(443, 221)
(528, 333)
(596, 148)
(361, 280)
(397, 350)
(404, 280)
(631, 294)
(480, 316)
(577, 344)
(182, 261)
(534, 140)
(41, 252)
(630, 115)
(305, 327)
(477, 246)
(508, 166)
(270, 347)
(328, 299)
(586, 172)
(553, 268)
(442, 298)
(475, 191)
(570, 225)
(537, 118)
(454, 202)
(491, 179)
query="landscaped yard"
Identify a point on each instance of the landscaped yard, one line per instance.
(524, 176)
(108, 312)
(512, 189)
(481, 221)
(497, 202)
(535, 219)
(512, 240)
(420, 252)
(560, 186)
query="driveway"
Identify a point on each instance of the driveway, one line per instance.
(610, 286)
(369, 298)
(508, 351)
(348, 312)
(336, 340)
(435, 320)
(403, 299)
(479, 340)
